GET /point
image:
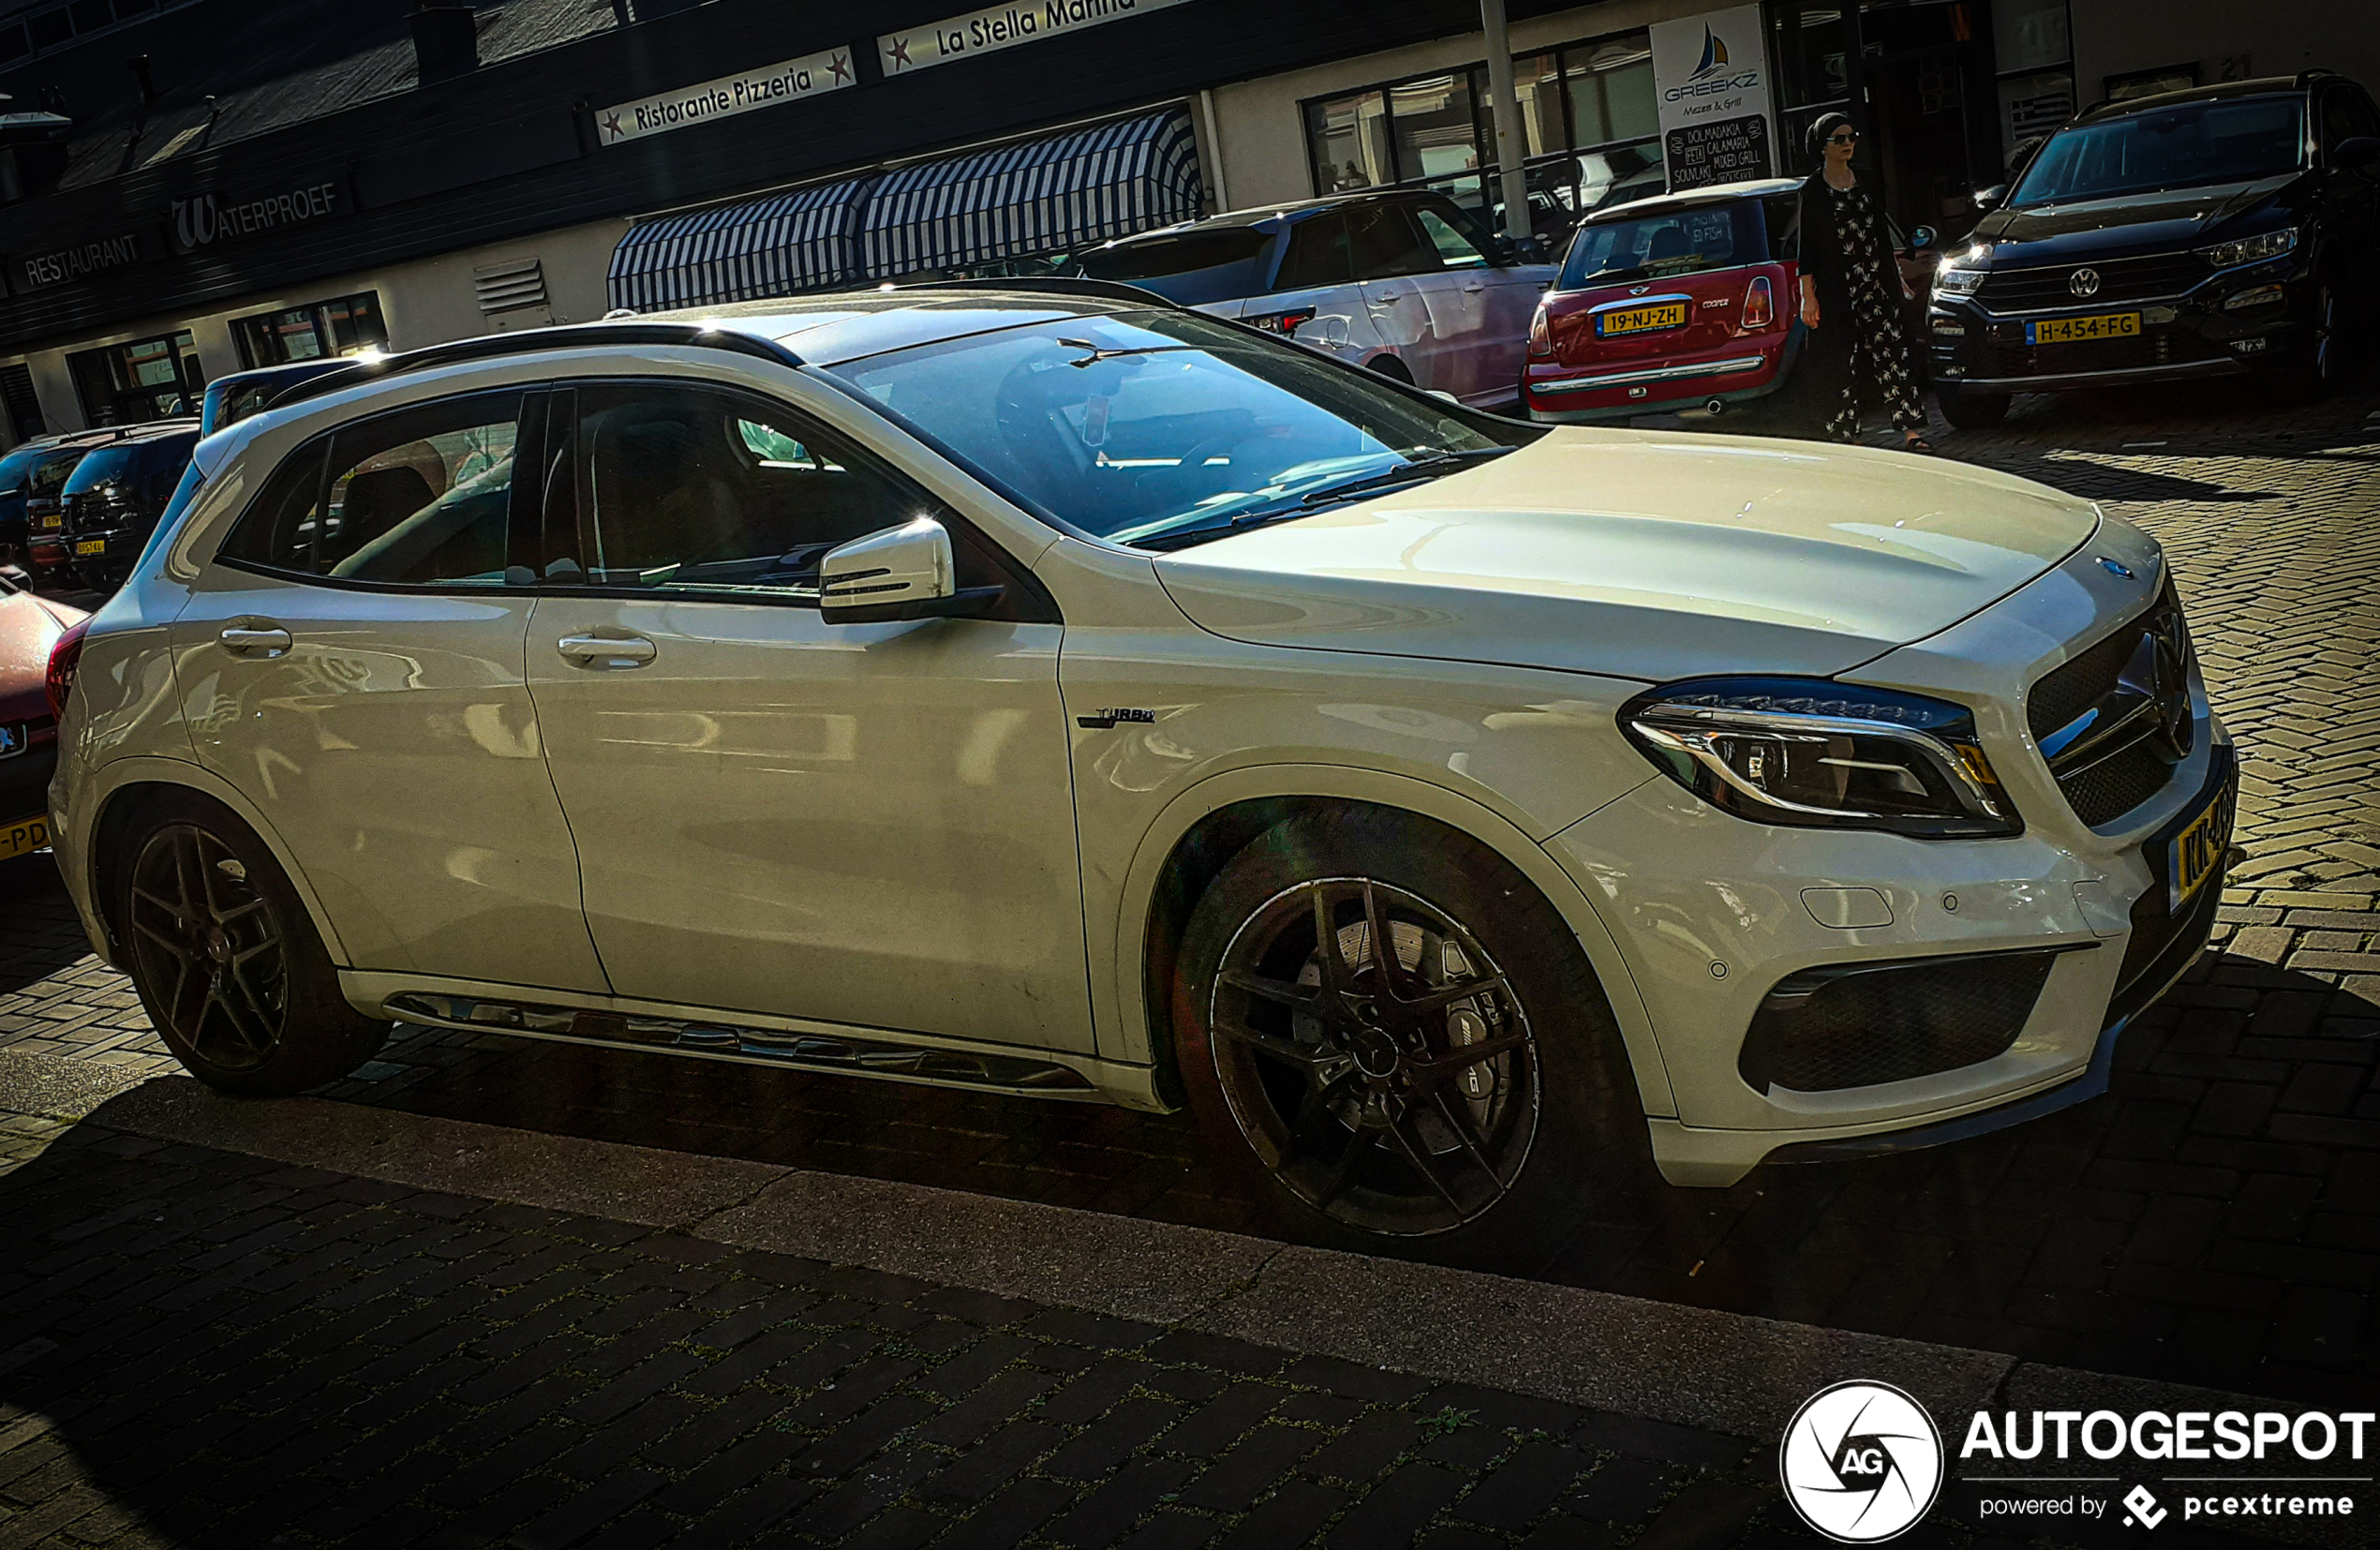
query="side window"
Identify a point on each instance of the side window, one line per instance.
(421, 497)
(1318, 254)
(1784, 219)
(698, 489)
(1455, 251)
(1386, 243)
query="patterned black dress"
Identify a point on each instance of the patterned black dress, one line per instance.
(1859, 352)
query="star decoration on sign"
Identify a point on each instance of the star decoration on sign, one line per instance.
(901, 52)
(611, 126)
(840, 70)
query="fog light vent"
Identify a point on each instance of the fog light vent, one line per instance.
(1862, 1025)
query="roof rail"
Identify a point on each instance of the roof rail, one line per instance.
(496, 347)
(1063, 285)
(2306, 77)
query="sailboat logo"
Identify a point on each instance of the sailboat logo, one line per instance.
(1714, 52)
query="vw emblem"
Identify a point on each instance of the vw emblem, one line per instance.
(2084, 282)
(2115, 568)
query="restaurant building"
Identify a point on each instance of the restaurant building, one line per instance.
(189, 187)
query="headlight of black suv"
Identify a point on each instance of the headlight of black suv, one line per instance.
(1820, 754)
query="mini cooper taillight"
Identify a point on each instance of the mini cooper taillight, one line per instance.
(1759, 305)
(65, 656)
(1540, 334)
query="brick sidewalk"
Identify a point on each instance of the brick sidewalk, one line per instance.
(2215, 1220)
(207, 1349)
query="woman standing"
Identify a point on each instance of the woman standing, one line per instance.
(1851, 294)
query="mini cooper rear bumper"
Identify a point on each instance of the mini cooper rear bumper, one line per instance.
(1748, 370)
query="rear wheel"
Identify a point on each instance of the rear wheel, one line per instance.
(1971, 410)
(1392, 368)
(225, 958)
(1389, 1035)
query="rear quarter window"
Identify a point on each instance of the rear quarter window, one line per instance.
(1192, 268)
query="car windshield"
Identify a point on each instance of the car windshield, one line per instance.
(1155, 427)
(99, 468)
(1189, 267)
(17, 468)
(1657, 246)
(2195, 146)
(50, 476)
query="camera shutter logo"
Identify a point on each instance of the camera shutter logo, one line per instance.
(1861, 1462)
(2084, 282)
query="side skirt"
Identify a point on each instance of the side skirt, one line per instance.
(882, 1054)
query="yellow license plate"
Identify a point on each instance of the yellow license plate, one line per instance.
(2067, 331)
(91, 546)
(24, 837)
(2196, 854)
(1640, 319)
(50, 524)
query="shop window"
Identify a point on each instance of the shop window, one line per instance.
(346, 326)
(1348, 140)
(145, 379)
(1610, 91)
(1588, 121)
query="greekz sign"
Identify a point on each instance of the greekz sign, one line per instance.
(203, 221)
(1710, 76)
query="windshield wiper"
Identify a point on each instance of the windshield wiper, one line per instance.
(1418, 470)
(1098, 354)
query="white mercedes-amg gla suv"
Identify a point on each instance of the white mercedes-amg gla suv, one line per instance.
(1043, 689)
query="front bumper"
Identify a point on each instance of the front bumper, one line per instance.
(2182, 338)
(1735, 912)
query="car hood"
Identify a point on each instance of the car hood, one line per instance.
(2115, 228)
(1643, 554)
(29, 626)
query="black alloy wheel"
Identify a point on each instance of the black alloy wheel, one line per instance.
(1391, 1040)
(211, 943)
(223, 952)
(1394, 1091)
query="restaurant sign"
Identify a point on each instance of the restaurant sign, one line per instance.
(1001, 28)
(203, 221)
(1710, 73)
(79, 262)
(725, 97)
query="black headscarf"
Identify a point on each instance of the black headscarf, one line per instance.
(1827, 123)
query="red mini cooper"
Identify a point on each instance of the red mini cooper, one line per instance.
(1684, 301)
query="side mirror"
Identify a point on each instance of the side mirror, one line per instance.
(2356, 151)
(898, 573)
(1988, 198)
(1922, 238)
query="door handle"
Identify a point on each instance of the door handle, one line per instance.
(1388, 296)
(607, 651)
(272, 641)
(1473, 290)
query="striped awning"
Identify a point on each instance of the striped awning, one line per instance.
(774, 247)
(1043, 195)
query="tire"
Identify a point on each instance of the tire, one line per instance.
(1971, 410)
(1390, 367)
(2326, 353)
(1336, 1124)
(225, 957)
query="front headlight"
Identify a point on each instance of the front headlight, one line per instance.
(2225, 255)
(1957, 282)
(1817, 754)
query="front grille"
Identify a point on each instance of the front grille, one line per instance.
(1823, 1030)
(2119, 280)
(2104, 790)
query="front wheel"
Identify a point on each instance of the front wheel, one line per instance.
(225, 958)
(1390, 1034)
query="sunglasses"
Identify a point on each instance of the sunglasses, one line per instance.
(1843, 137)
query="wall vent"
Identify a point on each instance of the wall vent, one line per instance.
(22, 403)
(511, 286)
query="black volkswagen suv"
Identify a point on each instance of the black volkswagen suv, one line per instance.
(2230, 229)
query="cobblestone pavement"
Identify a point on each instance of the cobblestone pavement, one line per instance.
(2215, 1220)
